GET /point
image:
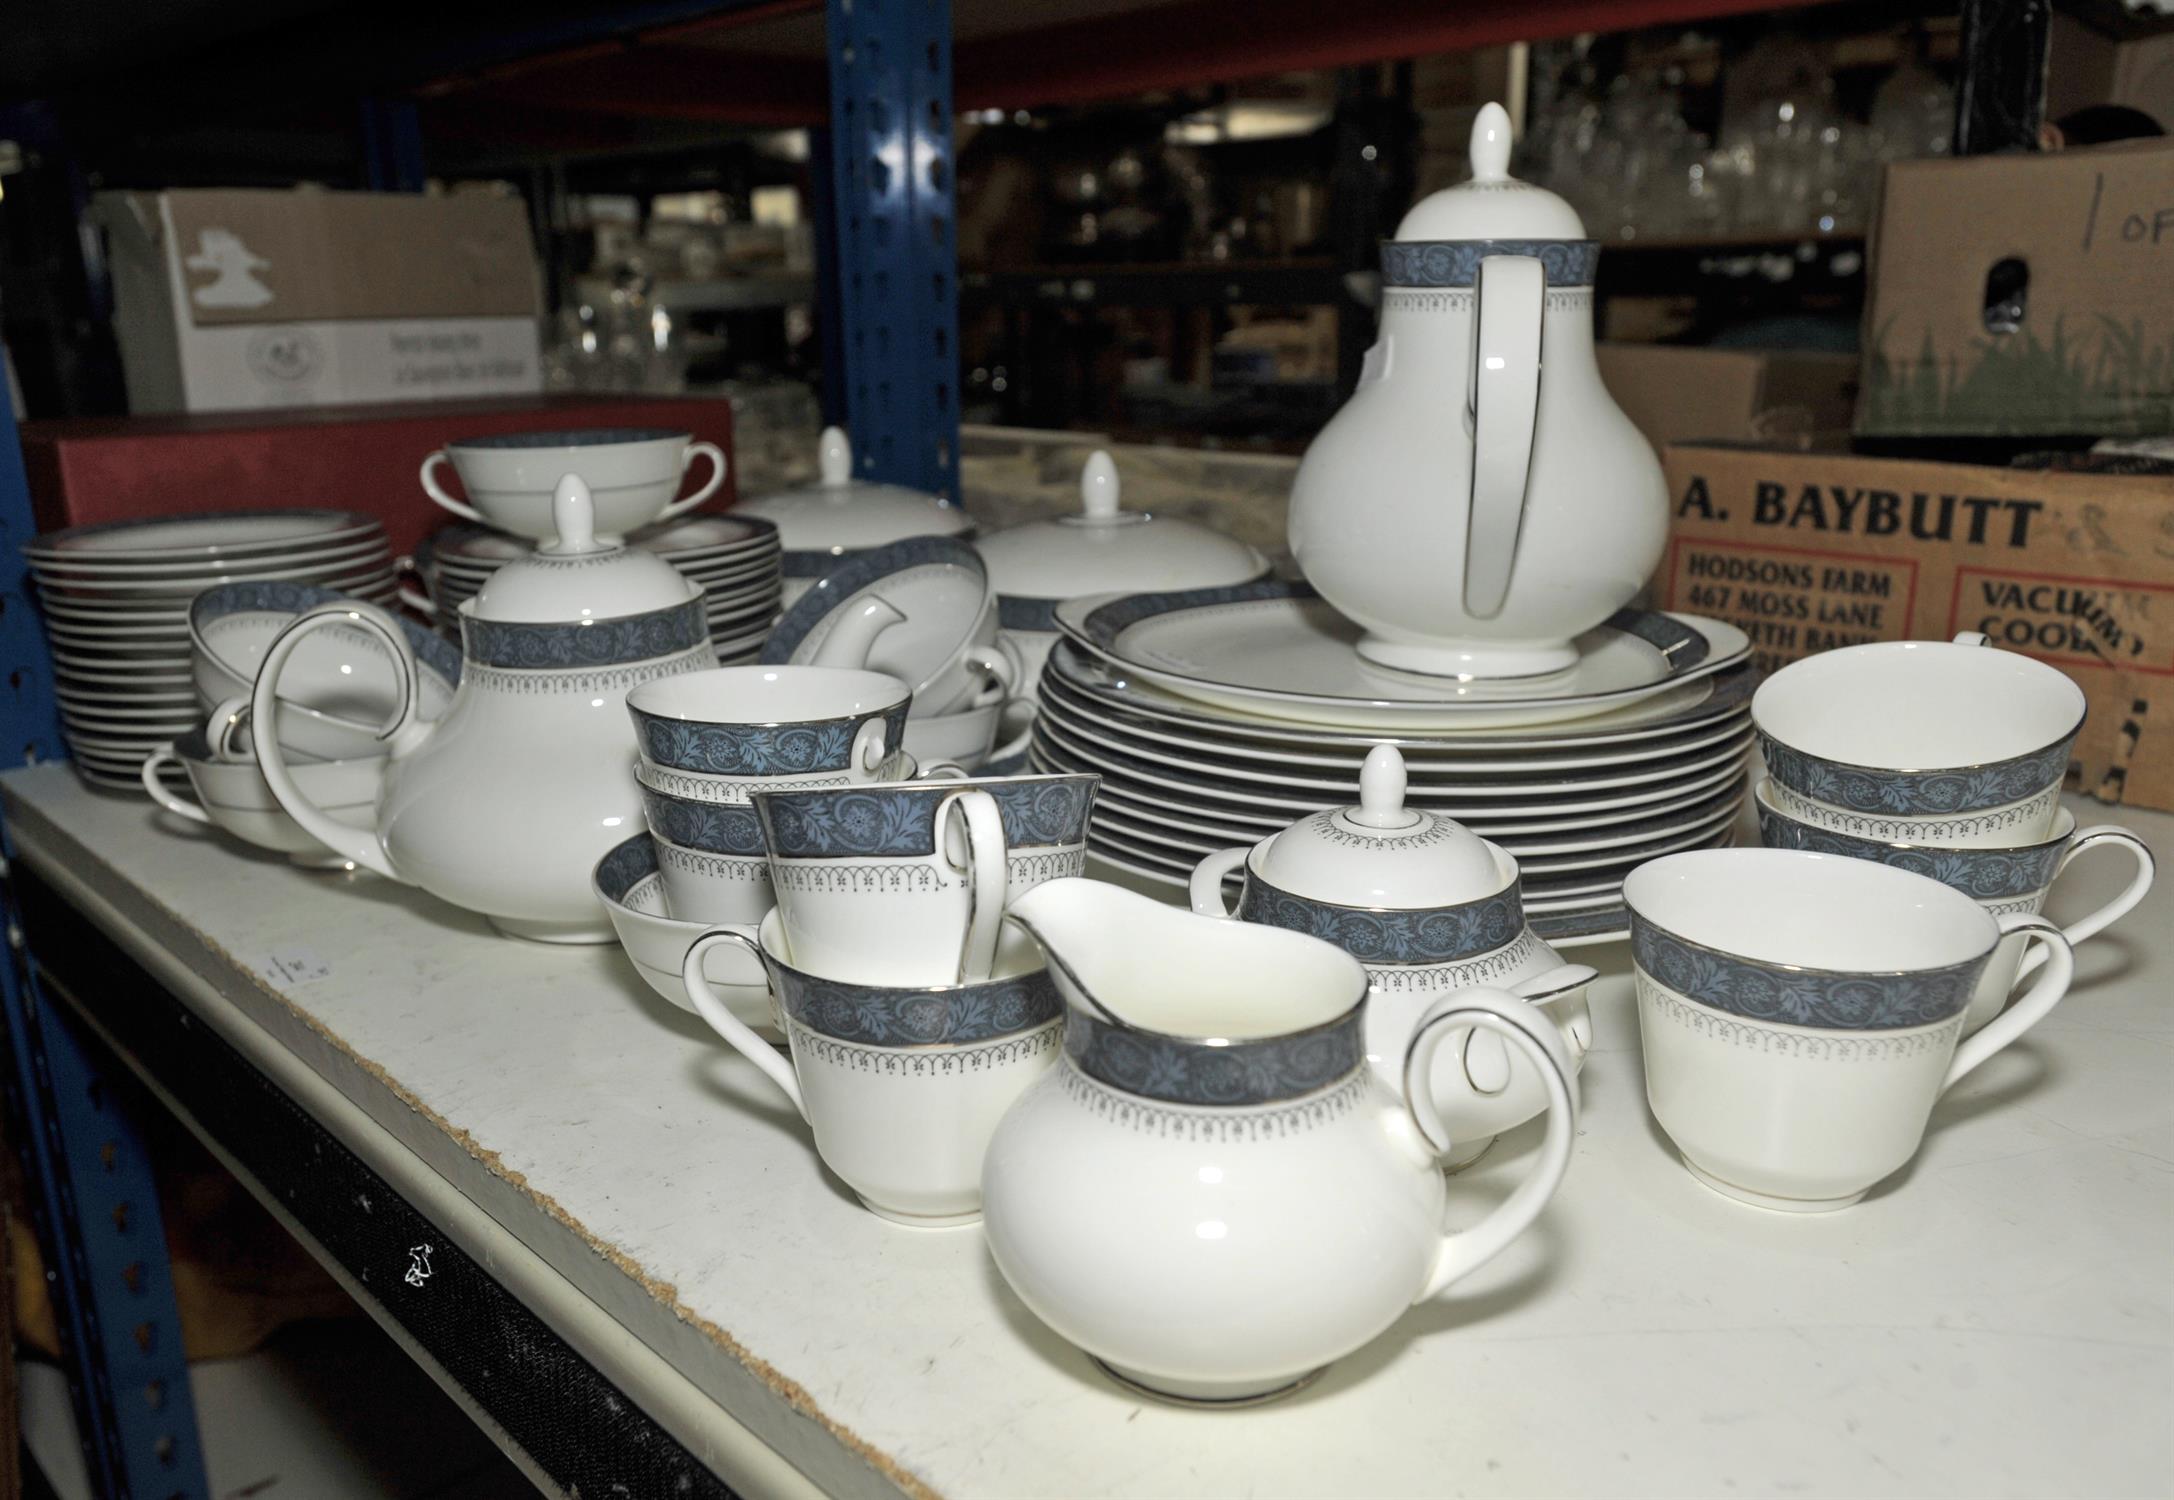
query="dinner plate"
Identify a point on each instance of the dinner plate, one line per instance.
(1682, 706)
(226, 534)
(1280, 651)
(178, 575)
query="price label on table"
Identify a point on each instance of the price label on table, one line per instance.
(296, 966)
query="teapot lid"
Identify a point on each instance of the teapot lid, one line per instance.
(577, 575)
(1103, 548)
(839, 513)
(1492, 205)
(1384, 853)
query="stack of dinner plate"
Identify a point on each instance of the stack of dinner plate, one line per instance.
(115, 598)
(736, 559)
(1217, 717)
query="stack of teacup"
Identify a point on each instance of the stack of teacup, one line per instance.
(913, 1010)
(1803, 1006)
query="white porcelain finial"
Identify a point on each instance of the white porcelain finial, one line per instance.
(834, 457)
(1381, 790)
(1491, 144)
(1098, 487)
(573, 516)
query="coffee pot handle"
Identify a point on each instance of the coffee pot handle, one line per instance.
(743, 1038)
(1509, 306)
(718, 467)
(1525, 1027)
(1206, 886)
(403, 732)
(2027, 1012)
(430, 488)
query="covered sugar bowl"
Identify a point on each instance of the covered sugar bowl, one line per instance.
(1429, 908)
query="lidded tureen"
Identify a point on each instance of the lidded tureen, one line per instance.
(505, 803)
(1101, 549)
(838, 514)
(1481, 501)
(1428, 908)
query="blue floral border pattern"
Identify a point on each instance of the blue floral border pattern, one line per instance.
(856, 571)
(571, 437)
(285, 598)
(949, 1016)
(1025, 612)
(566, 645)
(624, 866)
(900, 818)
(1378, 935)
(1457, 262)
(1869, 789)
(1813, 1046)
(1178, 1070)
(760, 749)
(932, 1062)
(1822, 999)
(713, 827)
(1904, 830)
(1992, 874)
(1492, 967)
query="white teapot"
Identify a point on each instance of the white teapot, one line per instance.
(505, 803)
(1481, 500)
(1430, 909)
(1211, 1193)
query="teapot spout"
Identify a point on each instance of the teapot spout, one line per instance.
(1136, 962)
(854, 635)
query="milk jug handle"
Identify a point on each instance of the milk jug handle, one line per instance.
(1530, 1031)
(1509, 305)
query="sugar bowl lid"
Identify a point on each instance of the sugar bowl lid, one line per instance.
(1104, 548)
(1492, 205)
(839, 513)
(1383, 852)
(577, 575)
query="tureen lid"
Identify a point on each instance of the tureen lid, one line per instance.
(576, 575)
(1493, 205)
(1383, 852)
(839, 513)
(1104, 548)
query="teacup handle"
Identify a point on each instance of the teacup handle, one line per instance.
(2104, 836)
(942, 770)
(430, 488)
(166, 755)
(742, 1037)
(1206, 886)
(985, 863)
(1002, 675)
(716, 457)
(2027, 1012)
(1523, 1026)
(871, 748)
(225, 722)
(1018, 742)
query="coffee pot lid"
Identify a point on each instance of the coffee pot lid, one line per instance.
(839, 513)
(1492, 205)
(1384, 852)
(578, 575)
(1103, 548)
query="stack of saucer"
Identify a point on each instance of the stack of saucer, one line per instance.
(1216, 717)
(734, 558)
(116, 603)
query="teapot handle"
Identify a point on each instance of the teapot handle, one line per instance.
(1533, 1033)
(1206, 886)
(1509, 307)
(743, 1038)
(404, 732)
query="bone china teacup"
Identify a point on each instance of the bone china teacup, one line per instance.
(1928, 742)
(2000, 880)
(1800, 1014)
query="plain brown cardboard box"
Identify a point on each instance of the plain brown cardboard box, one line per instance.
(1813, 550)
(2092, 353)
(1675, 394)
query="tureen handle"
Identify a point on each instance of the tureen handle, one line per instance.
(1510, 303)
(742, 1037)
(405, 731)
(1206, 887)
(1533, 1033)
(718, 467)
(430, 488)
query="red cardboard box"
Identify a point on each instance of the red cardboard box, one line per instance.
(363, 458)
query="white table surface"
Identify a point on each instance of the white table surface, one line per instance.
(1997, 1320)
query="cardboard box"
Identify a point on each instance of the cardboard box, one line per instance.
(229, 299)
(1813, 550)
(358, 458)
(2090, 67)
(1677, 394)
(2023, 295)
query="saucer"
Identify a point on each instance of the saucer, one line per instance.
(1278, 650)
(627, 883)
